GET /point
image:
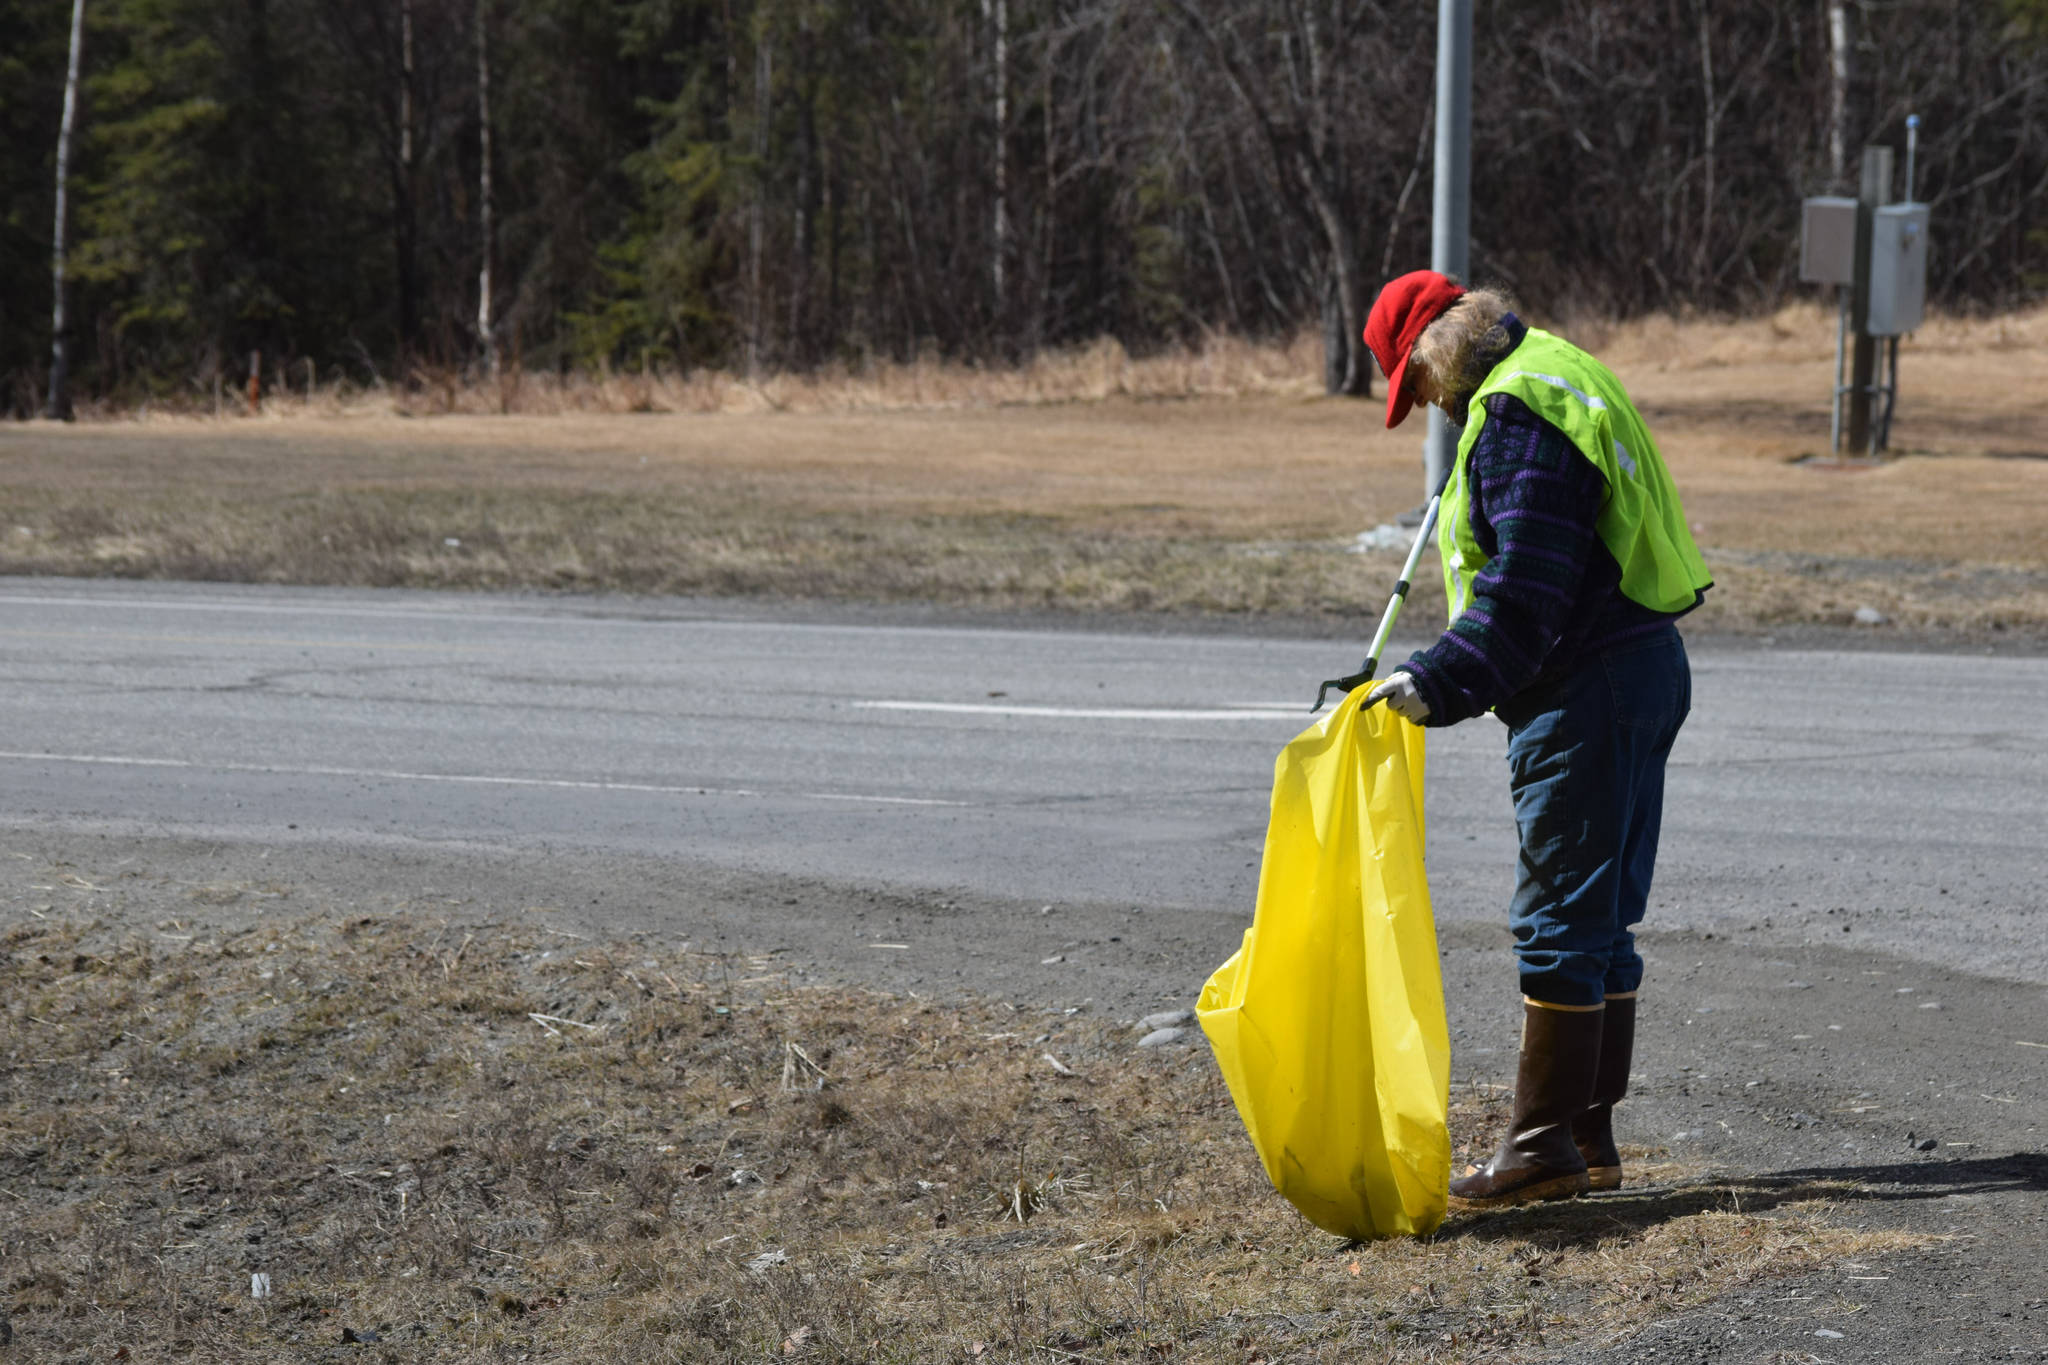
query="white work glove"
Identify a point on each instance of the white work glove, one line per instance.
(1402, 697)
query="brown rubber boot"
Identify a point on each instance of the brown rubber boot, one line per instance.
(1537, 1158)
(1593, 1130)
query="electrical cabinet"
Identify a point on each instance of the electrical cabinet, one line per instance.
(1827, 241)
(1898, 269)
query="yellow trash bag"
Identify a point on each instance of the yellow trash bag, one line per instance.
(1328, 1023)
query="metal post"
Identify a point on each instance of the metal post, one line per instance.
(1874, 190)
(1912, 151)
(1841, 345)
(1451, 234)
(1891, 363)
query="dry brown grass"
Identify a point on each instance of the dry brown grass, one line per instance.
(1212, 480)
(1219, 365)
(687, 1158)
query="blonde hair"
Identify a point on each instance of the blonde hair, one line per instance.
(1460, 347)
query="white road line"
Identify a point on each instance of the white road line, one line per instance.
(1232, 711)
(565, 612)
(469, 779)
(454, 616)
(544, 614)
(271, 642)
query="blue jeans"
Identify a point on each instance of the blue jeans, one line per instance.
(1586, 767)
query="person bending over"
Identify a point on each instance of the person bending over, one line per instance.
(1566, 560)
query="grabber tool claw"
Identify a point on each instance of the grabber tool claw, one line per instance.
(1344, 686)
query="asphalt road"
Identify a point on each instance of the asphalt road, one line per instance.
(1894, 796)
(1845, 945)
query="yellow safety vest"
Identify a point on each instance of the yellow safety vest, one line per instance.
(1641, 522)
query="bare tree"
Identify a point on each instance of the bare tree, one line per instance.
(1293, 102)
(59, 406)
(485, 331)
(765, 183)
(1839, 52)
(405, 194)
(997, 13)
(757, 221)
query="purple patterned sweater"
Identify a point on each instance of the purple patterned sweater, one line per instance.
(1550, 595)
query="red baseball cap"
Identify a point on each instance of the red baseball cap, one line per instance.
(1401, 313)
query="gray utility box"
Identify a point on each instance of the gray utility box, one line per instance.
(1898, 269)
(1827, 241)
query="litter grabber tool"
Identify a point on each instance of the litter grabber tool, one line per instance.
(1345, 686)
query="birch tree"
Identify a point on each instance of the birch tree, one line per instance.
(59, 406)
(486, 333)
(997, 14)
(404, 191)
(380, 185)
(1839, 56)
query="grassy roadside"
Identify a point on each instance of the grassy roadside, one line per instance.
(714, 541)
(507, 1140)
(1209, 482)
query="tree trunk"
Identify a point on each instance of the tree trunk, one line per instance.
(404, 216)
(485, 328)
(1840, 47)
(997, 12)
(1346, 370)
(1335, 360)
(1422, 143)
(58, 407)
(804, 221)
(757, 226)
(1710, 113)
(833, 196)
(1048, 212)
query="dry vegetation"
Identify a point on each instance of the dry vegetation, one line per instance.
(1219, 366)
(506, 1141)
(1209, 480)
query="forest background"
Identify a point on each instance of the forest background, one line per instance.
(382, 191)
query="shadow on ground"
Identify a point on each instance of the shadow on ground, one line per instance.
(1580, 1222)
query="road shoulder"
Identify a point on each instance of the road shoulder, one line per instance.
(1766, 1068)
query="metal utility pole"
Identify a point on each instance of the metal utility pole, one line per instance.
(58, 408)
(1451, 234)
(1876, 187)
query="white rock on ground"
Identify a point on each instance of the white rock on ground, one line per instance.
(1166, 1019)
(1161, 1037)
(1385, 536)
